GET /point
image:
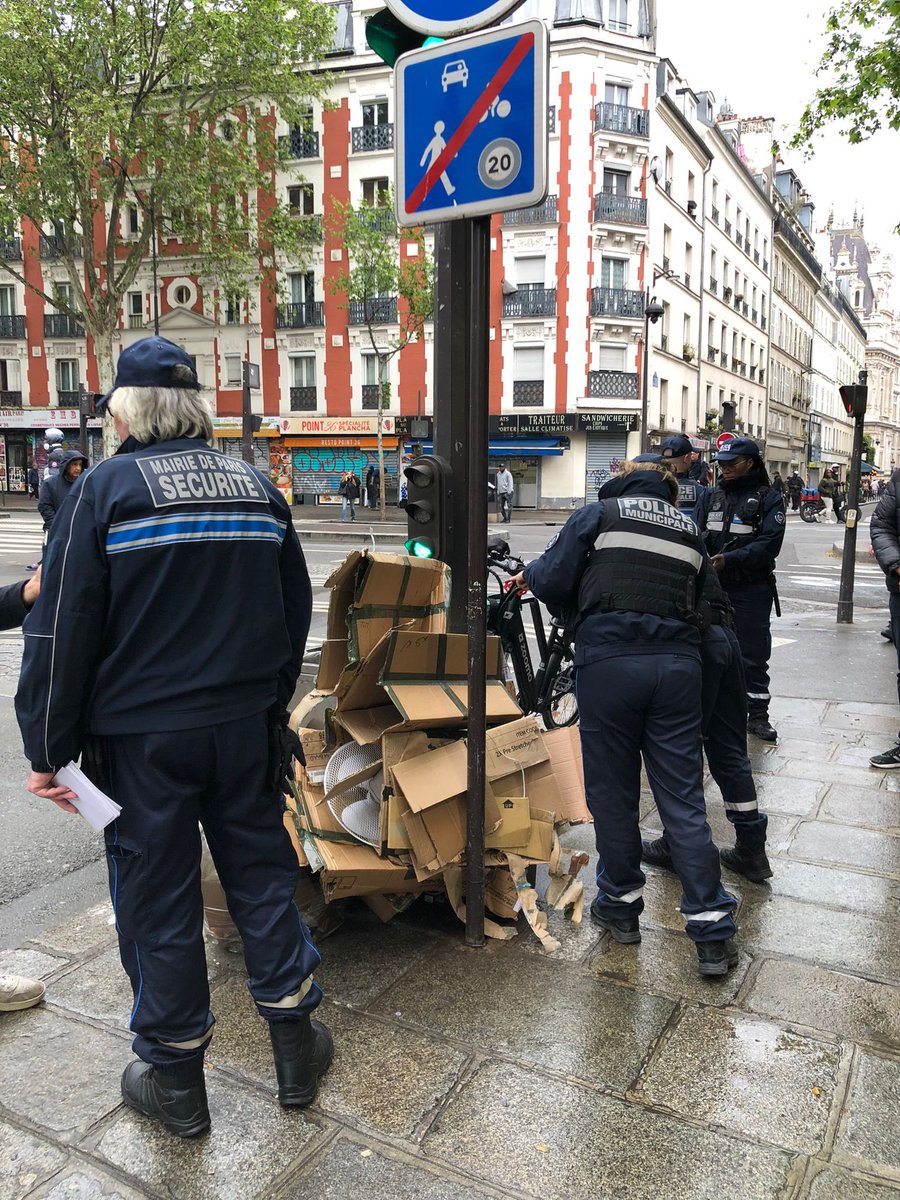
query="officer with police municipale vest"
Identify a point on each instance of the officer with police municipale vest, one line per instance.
(164, 650)
(628, 570)
(742, 523)
(676, 453)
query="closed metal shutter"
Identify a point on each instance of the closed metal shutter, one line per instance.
(604, 452)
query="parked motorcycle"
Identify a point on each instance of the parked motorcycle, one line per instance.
(811, 504)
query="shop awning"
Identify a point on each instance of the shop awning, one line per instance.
(531, 447)
(866, 468)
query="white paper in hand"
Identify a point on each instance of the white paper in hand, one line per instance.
(95, 806)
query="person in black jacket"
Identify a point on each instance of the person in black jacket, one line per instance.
(54, 489)
(631, 567)
(676, 452)
(164, 649)
(884, 530)
(795, 486)
(742, 522)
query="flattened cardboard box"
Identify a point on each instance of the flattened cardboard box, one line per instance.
(564, 748)
(310, 721)
(417, 681)
(518, 766)
(372, 593)
(355, 870)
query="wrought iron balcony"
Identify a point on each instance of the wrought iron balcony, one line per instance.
(619, 118)
(622, 210)
(12, 327)
(313, 222)
(528, 393)
(734, 363)
(540, 214)
(68, 399)
(304, 399)
(756, 256)
(300, 143)
(61, 325)
(381, 220)
(370, 396)
(372, 137)
(713, 285)
(299, 316)
(53, 245)
(737, 304)
(10, 399)
(742, 367)
(798, 245)
(11, 249)
(530, 302)
(715, 215)
(726, 294)
(745, 309)
(377, 310)
(728, 227)
(711, 353)
(616, 302)
(551, 119)
(613, 385)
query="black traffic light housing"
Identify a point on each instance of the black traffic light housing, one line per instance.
(428, 481)
(390, 38)
(854, 397)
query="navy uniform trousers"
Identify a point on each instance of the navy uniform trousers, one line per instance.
(168, 784)
(637, 704)
(752, 604)
(724, 704)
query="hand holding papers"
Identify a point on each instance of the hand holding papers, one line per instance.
(95, 806)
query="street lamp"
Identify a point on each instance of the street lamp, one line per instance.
(653, 310)
(109, 167)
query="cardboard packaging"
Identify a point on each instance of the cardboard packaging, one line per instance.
(564, 749)
(373, 593)
(310, 721)
(356, 870)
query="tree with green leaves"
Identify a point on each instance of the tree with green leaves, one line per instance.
(861, 67)
(391, 290)
(162, 107)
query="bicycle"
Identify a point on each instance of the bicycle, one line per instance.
(547, 690)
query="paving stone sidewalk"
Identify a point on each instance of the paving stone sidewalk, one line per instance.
(600, 1072)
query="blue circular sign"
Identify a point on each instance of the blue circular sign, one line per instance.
(445, 18)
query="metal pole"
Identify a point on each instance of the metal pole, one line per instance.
(645, 395)
(153, 263)
(848, 559)
(246, 417)
(476, 606)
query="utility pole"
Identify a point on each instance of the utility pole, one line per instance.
(855, 397)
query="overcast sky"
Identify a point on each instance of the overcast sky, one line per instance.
(762, 56)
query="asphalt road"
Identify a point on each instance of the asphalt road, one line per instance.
(51, 864)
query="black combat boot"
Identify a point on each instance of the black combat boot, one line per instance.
(178, 1104)
(303, 1051)
(758, 725)
(657, 853)
(626, 931)
(749, 861)
(716, 958)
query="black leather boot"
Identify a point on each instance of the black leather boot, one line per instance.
(625, 931)
(657, 853)
(303, 1051)
(751, 862)
(759, 726)
(179, 1106)
(716, 958)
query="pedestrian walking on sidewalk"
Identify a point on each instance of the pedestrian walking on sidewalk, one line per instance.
(628, 569)
(742, 522)
(349, 490)
(505, 488)
(55, 488)
(884, 530)
(178, 709)
(827, 489)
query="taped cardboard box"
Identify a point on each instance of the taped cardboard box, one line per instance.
(417, 680)
(523, 780)
(397, 748)
(313, 816)
(564, 748)
(372, 593)
(310, 721)
(347, 869)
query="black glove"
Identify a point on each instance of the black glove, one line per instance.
(284, 747)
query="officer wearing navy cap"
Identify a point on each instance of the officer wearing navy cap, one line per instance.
(676, 452)
(631, 567)
(742, 522)
(163, 650)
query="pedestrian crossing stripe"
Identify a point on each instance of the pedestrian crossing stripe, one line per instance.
(779, 641)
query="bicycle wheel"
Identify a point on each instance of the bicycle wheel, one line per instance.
(562, 707)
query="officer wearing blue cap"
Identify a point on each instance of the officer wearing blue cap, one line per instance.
(677, 451)
(164, 649)
(742, 522)
(630, 568)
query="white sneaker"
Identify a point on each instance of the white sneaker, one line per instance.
(18, 992)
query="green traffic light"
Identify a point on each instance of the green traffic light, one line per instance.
(420, 547)
(390, 38)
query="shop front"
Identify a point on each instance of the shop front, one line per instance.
(606, 446)
(22, 437)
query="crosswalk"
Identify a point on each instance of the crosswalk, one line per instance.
(21, 538)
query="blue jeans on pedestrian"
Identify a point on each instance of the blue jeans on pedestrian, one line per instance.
(348, 502)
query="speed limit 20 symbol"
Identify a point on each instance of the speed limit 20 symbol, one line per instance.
(499, 163)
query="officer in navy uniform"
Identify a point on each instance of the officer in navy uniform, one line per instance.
(724, 704)
(164, 649)
(676, 452)
(742, 522)
(630, 567)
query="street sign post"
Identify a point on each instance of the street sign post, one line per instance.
(447, 18)
(723, 439)
(471, 137)
(249, 379)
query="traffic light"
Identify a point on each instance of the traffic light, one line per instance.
(390, 38)
(854, 396)
(427, 506)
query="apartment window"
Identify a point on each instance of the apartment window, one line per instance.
(612, 357)
(616, 93)
(7, 301)
(612, 273)
(135, 310)
(376, 192)
(303, 370)
(691, 185)
(233, 310)
(670, 168)
(617, 15)
(375, 112)
(301, 200)
(303, 287)
(530, 273)
(616, 183)
(182, 295)
(63, 295)
(528, 363)
(369, 368)
(233, 370)
(67, 375)
(132, 221)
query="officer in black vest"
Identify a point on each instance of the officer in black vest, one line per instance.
(742, 522)
(630, 566)
(676, 452)
(724, 703)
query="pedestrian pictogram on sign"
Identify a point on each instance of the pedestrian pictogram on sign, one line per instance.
(472, 126)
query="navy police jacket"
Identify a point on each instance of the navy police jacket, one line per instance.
(745, 522)
(689, 493)
(556, 577)
(174, 595)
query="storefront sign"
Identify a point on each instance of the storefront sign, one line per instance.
(607, 422)
(545, 424)
(43, 418)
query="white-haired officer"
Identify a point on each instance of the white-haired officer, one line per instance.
(164, 649)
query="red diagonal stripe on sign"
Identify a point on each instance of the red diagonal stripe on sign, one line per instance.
(474, 115)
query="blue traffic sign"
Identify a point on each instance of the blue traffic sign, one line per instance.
(471, 135)
(446, 18)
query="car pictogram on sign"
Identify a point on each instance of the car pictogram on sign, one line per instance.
(455, 72)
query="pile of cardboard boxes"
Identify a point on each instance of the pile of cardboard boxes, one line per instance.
(379, 811)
